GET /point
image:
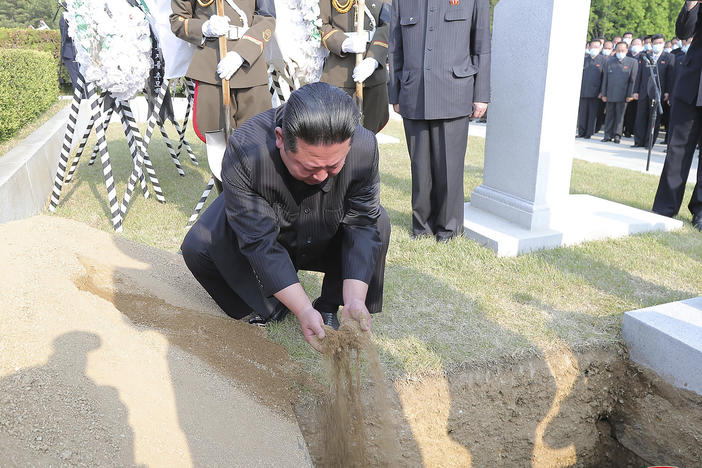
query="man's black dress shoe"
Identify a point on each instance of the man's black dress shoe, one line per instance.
(697, 222)
(636, 145)
(328, 313)
(278, 315)
(617, 140)
(605, 140)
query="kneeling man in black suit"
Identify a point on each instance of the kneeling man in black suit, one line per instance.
(301, 192)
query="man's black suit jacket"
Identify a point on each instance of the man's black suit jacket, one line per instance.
(283, 225)
(687, 86)
(644, 85)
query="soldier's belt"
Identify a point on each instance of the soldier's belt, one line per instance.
(369, 33)
(236, 32)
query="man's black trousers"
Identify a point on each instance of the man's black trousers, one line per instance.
(227, 276)
(686, 133)
(615, 119)
(437, 150)
(587, 115)
(643, 114)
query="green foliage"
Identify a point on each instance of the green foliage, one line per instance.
(23, 13)
(611, 18)
(43, 41)
(28, 87)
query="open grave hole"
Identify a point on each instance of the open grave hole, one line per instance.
(590, 408)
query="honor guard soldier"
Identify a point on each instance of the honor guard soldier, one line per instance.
(338, 36)
(248, 26)
(617, 90)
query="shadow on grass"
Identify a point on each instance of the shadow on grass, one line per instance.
(609, 278)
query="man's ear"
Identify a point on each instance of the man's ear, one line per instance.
(279, 138)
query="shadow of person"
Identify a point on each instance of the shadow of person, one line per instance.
(55, 414)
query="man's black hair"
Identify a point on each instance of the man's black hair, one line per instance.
(628, 32)
(657, 36)
(622, 42)
(319, 114)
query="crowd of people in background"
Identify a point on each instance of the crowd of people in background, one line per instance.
(619, 87)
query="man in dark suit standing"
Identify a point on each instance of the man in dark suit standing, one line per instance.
(590, 90)
(635, 50)
(617, 90)
(301, 192)
(686, 124)
(439, 76)
(644, 89)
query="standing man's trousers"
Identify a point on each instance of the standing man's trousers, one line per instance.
(686, 133)
(614, 123)
(226, 274)
(587, 115)
(643, 122)
(437, 150)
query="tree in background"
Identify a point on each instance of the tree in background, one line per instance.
(23, 13)
(611, 18)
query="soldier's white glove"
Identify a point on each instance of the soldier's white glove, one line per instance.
(215, 26)
(364, 69)
(229, 65)
(355, 44)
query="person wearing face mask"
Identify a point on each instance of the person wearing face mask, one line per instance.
(647, 43)
(644, 90)
(628, 38)
(686, 120)
(607, 53)
(617, 90)
(668, 47)
(630, 113)
(590, 90)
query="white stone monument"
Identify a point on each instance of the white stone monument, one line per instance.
(524, 203)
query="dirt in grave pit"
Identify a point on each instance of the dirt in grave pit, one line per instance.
(345, 415)
(588, 409)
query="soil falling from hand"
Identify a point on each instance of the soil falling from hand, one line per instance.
(357, 430)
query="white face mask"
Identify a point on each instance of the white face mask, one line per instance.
(621, 55)
(607, 52)
(636, 49)
(628, 41)
(647, 46)
(657, 48)
(668, 49)
(594, 52)
(676, 46)
(685, 48)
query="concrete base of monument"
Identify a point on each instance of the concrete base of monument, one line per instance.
(668, 339)
(580, 219)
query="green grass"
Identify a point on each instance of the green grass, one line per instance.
(452, 305)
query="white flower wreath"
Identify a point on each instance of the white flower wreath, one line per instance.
(113, 45)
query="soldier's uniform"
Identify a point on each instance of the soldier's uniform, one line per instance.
(339, 66)
(617, 86)
(589, 91)
(252, 27)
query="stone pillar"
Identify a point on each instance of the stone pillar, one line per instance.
(536, 75)
(524, 203)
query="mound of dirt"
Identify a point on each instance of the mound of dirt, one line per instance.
(111, 354)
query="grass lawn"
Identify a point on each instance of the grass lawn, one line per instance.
(448, 305)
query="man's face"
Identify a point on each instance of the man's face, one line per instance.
(621, 48)
(312, 164)
(628, 37)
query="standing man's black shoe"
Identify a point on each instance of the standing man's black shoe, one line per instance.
(697, 222)
(586, 138)
(328, 313)
(636, 145)
(605, 140)
(617, 140)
